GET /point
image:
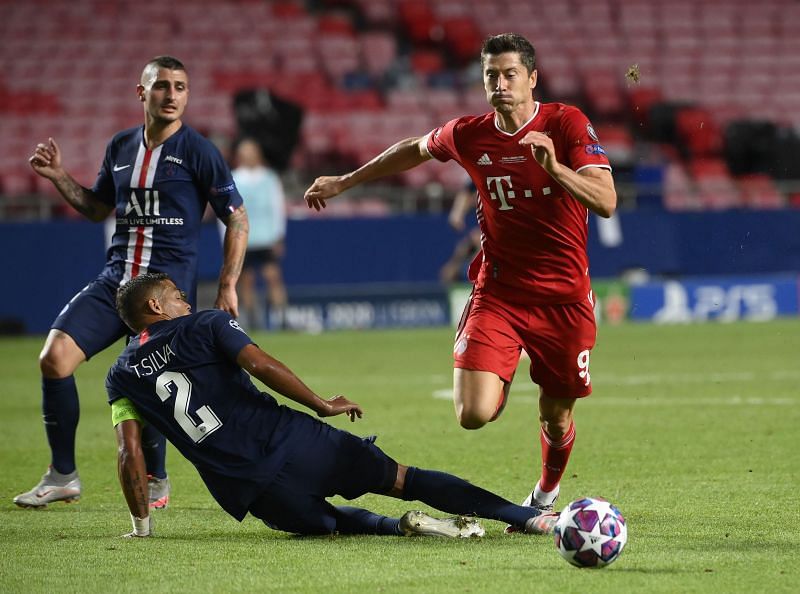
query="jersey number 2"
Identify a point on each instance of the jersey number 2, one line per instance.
(172, 383)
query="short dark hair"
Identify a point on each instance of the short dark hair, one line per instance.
(132, 295)
(510, 42)
(168, 62)
(150, 70)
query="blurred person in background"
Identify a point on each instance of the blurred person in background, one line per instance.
(255, 455)
(157, 178)
(539, 169)
(467, 246)
(262, 191)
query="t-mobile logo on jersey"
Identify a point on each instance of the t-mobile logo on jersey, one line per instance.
(497, 190)
(147, 207)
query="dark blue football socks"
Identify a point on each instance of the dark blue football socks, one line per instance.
(454, 495)
(61, 411)
(154, 448)
(354, 520)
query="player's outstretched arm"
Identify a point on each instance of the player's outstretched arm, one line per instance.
(46, 161)
(237, 227)
(281, 379)
(133, 475)
(400, 156)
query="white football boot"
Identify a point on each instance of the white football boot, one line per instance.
(545, 508)
(542, 524)
(417, 523)
(54, 486)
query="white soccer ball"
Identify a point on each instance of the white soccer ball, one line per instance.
(590, 532)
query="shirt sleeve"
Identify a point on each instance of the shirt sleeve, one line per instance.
(441, 142)
(103, 186)
(584, 148)
(216, 181)
(229, 336)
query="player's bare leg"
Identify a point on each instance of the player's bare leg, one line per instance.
(555, 415)
(60, 356)
(248, 300)
(478, 396)
(278, 297)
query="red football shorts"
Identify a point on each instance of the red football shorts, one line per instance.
(558, 338)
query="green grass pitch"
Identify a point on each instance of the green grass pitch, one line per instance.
(692, 431)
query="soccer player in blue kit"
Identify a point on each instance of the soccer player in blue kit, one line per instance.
(158, 179)
(187, 374)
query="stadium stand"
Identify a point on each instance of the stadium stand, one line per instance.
(670, 80)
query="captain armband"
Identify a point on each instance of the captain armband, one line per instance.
(124, 410)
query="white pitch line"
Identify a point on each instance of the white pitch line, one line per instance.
(447, 394)
(695, 378)
(676, 378)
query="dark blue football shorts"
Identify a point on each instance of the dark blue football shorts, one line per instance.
(330, 462)
(91, 318)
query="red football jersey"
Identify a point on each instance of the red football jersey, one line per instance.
(533, 232)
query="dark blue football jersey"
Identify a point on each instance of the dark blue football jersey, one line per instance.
(160, 196)
(183, 378)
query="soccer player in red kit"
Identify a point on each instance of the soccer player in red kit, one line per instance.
(539, 169)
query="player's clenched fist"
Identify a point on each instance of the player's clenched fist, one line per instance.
(543, 150)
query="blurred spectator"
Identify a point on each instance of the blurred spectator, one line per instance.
(262, 191)
(454, 270)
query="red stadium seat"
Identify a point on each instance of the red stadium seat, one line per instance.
(463, 38)
(418, 20)
(378, 13)
(679, 192)
(335, 24)
(698, 131)
(339, 55)
(641, 99)
(287, 9)
(378, 51)
(17, 182)
(716, 188)
(760, 191)
(427, 62)
(603, 92)
(732, 59)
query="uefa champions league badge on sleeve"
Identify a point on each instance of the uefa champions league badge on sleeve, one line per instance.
(592, 134)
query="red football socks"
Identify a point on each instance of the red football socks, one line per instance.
(555, 455)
